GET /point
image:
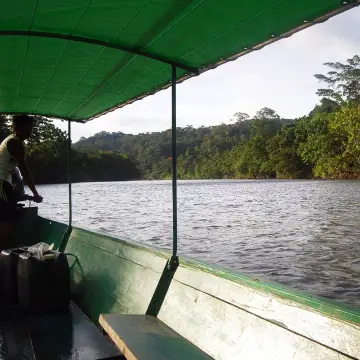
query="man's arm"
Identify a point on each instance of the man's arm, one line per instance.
(17, 149)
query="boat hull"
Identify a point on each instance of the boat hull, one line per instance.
(225, 314)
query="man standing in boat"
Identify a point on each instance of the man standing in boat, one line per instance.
(12, 154)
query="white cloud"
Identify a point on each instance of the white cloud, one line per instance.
(279, 76)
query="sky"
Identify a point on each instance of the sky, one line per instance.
(280, 76)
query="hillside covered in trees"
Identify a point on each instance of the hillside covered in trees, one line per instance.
(48, 157)
(322, 144)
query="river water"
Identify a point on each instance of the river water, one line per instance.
(305, 234)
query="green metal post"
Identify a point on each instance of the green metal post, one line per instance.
(67, 233)
(69, 173)
(174, 259)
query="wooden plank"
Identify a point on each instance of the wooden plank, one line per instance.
(125, 284)
(226, 332)
(320, 304)
(71, 336)
(330, 331)
(147, 257)
(144, 337)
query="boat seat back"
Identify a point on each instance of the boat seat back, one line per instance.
(229, 320)
(224, 314)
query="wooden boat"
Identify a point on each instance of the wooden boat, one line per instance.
(76, 60)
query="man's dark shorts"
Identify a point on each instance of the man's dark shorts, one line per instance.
(7, 202)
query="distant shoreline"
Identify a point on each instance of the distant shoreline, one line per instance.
(219, 179)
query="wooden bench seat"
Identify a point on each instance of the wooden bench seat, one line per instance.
(144, 337)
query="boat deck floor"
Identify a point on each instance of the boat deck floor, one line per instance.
(62, 336)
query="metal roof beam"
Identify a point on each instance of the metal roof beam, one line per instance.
(128, 49)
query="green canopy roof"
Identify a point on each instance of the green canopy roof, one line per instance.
(78, 59)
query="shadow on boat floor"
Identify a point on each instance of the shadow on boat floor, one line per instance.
(68, 335)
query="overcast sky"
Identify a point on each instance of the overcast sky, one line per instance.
(279, 76)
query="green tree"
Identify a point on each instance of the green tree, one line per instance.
(283, 156)
(241, 116)
(345, 126)
(342, 81)
(254, 159)
(266, 113)
(326, 106)
(318, 146)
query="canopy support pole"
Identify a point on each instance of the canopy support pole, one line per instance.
(69, 173)
(174, 261)
(67, 233)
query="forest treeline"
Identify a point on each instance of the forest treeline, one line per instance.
(323, 144)
(47, 156)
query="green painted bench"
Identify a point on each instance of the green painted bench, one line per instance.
(144, 337)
